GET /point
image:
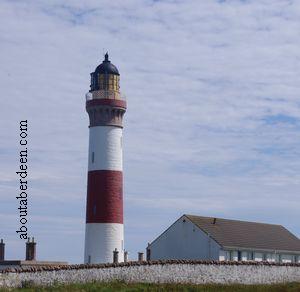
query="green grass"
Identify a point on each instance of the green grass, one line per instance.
(121, 286)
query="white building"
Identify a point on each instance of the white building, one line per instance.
(206, 238)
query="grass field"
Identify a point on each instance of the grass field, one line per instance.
(120, 286)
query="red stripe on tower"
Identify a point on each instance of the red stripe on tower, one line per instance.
(105, 197)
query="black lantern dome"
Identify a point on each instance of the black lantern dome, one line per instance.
(107, 67)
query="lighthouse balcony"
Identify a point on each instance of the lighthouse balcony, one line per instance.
(104, 94)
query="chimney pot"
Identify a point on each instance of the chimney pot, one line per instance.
(125, 256)
(115, 256)
(2, 250)
(140, 256)
(30, 250)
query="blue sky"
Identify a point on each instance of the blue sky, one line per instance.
(213, 119)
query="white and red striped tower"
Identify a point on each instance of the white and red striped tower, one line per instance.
(104, 210)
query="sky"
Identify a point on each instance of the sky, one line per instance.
(211, 129)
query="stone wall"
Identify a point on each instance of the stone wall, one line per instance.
(156, 272)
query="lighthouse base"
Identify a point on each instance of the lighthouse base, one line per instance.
(101, 239)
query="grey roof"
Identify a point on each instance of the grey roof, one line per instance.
(248, 235)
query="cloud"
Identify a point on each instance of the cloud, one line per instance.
(212, 125)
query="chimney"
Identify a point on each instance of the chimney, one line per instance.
(115, 256)
(148, 255)
(140, 256)
(2, 250)
(125, 256)
(30, 250)
(215, 220)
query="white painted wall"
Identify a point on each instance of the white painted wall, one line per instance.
(106, 144)
(100, 241)
(184, 240)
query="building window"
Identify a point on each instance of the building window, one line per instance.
(89, 259)
(239, 255)
(93, 157)
(264, 257)
(92, 82)
(250, 255)
(227, 255)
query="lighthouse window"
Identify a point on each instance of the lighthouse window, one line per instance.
(92, 81)
(93, 157)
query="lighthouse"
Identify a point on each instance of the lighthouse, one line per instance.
(104, 231)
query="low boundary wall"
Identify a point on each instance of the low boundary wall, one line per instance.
(177, 271)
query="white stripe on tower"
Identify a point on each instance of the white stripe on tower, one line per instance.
(105, 148)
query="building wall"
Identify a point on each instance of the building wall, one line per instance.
(184, 240)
